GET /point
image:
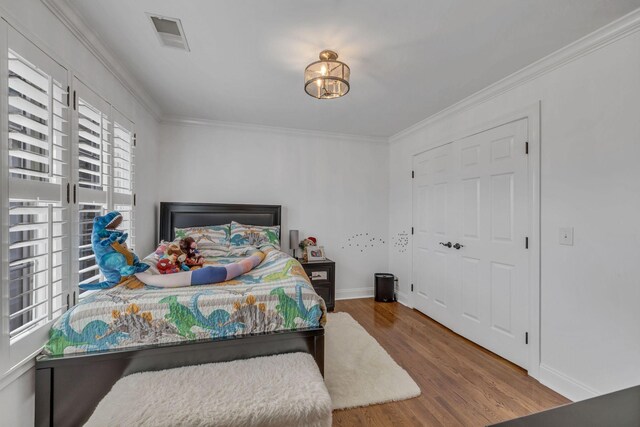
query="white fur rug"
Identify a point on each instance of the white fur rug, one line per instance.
(274, 391)
(357, 370)
(281, 390)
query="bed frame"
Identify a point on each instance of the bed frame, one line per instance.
(68, 388)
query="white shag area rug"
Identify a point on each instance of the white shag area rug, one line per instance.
(281, 390)
(357, 370)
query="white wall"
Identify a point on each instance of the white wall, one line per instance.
(335, 188)
(17, 399)
(590, 180)
(37, 23)
(329, 187)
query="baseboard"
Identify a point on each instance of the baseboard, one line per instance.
(17, 372)
(354, 293)
(404, 299)
(568, 387)
(369, 293)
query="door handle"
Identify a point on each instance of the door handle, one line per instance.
(448, 244)
(458, 246)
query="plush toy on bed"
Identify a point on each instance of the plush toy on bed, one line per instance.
(114, 258)
(173, 260)
(190, 247)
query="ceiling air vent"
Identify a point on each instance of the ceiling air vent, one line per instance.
(169, 31)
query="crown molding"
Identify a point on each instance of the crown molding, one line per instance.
(76, 24)
(598, 39)
(188, 121)
(602, 37)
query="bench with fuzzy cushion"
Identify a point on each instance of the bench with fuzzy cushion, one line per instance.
(280, 390)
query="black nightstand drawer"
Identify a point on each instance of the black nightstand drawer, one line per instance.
(322, 275)
(317, 275)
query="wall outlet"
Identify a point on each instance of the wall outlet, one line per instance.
(566, 236)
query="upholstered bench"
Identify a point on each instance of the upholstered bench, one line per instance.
(280, 390)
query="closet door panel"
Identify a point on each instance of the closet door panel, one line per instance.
(470, 260)
(435, 265)
(494, 202)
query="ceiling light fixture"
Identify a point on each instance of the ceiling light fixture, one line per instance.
(327, 78)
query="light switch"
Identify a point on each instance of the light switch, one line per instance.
(566, 236)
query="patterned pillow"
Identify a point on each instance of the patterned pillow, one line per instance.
(207, 237)
(254, 235)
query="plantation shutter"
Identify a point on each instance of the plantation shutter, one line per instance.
(123, 173)
(93, 174)
(34, 251)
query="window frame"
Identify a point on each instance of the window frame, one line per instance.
(83, 196)
(14, 351)
(14, 356)
(80, 90)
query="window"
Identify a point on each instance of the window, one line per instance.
(103, 153)
(67, 158)
(37, 172)
(93, 157)
(87, 270)
(123, 172)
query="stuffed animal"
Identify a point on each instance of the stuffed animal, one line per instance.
(190, 247)
(173, 260)
(114, 258)
(309, 241)
(165, 266)
(161, 249)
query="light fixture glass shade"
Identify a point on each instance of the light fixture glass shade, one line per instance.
(327, 78)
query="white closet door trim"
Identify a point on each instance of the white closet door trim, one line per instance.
(532, 113)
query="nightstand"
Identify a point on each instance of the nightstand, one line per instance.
(322, 275)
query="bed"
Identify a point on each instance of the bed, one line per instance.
(71, 381)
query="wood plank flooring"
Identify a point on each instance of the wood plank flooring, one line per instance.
(462, 384)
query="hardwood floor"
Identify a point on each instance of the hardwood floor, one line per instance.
(462, 383)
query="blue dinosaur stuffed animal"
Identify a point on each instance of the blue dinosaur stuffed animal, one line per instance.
(113, 256)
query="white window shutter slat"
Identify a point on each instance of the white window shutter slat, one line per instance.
(19, 85)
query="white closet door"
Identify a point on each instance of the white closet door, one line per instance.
(435, 225)
(479, 290)
(494, 224)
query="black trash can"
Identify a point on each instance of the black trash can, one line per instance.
(385, 287)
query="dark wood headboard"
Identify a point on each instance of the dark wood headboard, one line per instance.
(179, 215)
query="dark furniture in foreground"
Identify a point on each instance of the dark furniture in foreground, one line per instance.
(68, 388)
(323, 278)
(619, 409)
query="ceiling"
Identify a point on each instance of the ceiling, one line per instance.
(409, 59)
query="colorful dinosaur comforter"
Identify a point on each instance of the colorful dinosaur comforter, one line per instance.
(274, 296)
